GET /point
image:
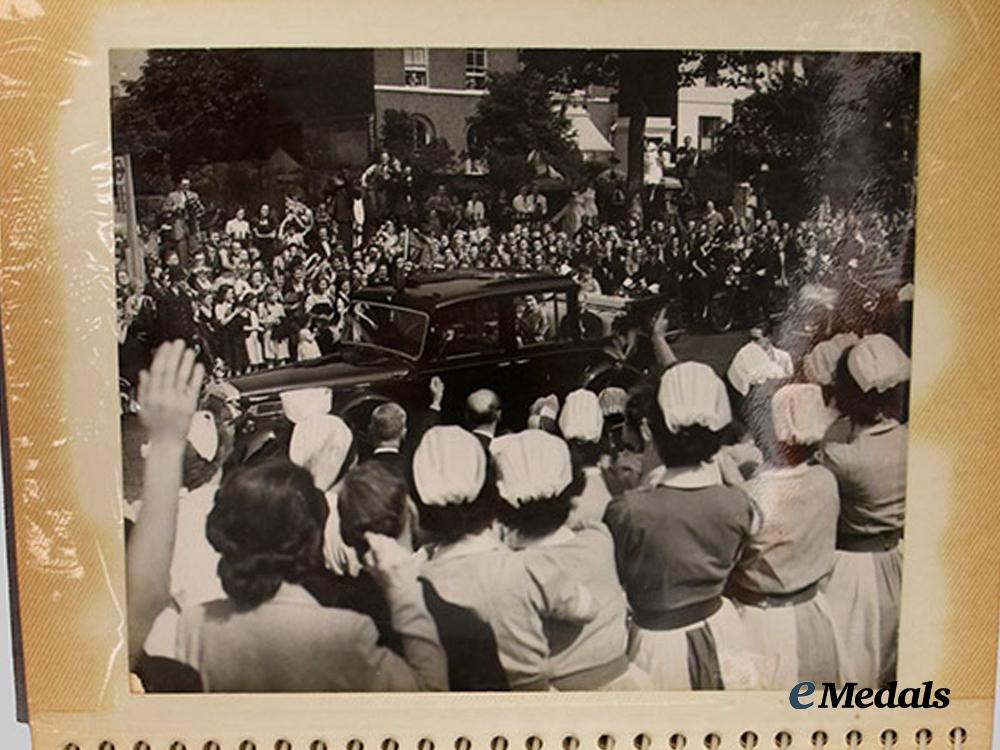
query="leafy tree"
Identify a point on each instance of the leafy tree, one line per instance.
(843, 123)
(400, 136)
(192, 106)
(643, 79)
(516, 116)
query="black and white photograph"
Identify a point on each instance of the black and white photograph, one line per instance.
(476, 369)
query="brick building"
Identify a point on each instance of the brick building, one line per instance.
(441, 87)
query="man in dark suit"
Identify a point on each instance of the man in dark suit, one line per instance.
(387, 430)
(482, 414)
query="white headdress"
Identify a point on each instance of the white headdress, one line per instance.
(800, 415)
(531, 465)
(321, 443)
(820, 364)
(690, 394)
(876, 362)
(581, 417)
(449, 466)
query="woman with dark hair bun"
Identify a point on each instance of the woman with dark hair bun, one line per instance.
(270, 634)
(469, 566)
(677, 539)
(537, 484)
(776, 583)
(865, 588)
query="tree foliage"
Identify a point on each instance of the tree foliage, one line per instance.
(846, 123)
(518, 115)
(399, 135)
(192, 106)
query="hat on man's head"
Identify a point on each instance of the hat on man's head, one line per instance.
(449, 466)
(877, 363)
(691, 394)
(531, 465)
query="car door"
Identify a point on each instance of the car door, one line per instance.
(467, 351)
(545, 352)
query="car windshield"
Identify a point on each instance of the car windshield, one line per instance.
(396, 329)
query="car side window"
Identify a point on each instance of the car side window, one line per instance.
(468, 328)
(541, 319)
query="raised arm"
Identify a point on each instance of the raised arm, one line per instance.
(168, 394)
(661, 349)
(423, 665)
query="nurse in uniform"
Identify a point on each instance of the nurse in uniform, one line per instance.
(776, 584)
(678, 538)
(864, 590)
(537, 484)
(469, 566)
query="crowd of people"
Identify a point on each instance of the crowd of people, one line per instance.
(692, 532)
(259, 289)
(687, 533)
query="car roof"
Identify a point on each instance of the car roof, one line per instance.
(428, 291)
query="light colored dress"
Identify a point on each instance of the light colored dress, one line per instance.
(592, 656)
(255, 352)
(776, 584)
(591, 503)
(272, 313)
(866, 586)
(513, 595)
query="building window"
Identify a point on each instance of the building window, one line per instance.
(423, 131)
(708, 133)
(415, 66)
(475, 68)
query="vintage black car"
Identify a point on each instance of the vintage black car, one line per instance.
(520, 334)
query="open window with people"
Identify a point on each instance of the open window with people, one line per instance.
(539, 319)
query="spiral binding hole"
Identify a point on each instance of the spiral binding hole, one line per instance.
(642, 741)
(958, 736)
(498, 743)
(210, 745)
(425, 744)
(248, 745)
(819, 738)
(71, 746)
(533, 743)
(286, 745)
(106, 745)
(924, 737)
(782, 740)
(571, 742)
(355, 744)
(321, 745)
(888, 738)
(677, 741)
(463, 743)
(606, 742)
(712, 741)
(387, 744)
(143, 745)
(853, 738)
(748, 740)
(177, 745)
